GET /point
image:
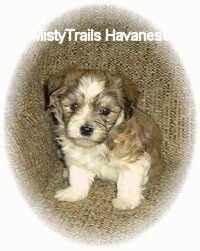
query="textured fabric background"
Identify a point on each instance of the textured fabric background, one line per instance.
(165, 94)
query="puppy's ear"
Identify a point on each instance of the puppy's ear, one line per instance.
(52, 87)
(55, 86)
(131, 95)
(126, 91)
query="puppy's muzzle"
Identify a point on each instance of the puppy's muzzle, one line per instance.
(86, 130)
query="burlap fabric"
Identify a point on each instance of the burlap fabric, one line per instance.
(165, 94)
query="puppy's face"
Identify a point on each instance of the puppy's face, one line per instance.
(91, 104)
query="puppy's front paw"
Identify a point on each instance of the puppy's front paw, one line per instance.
(123, 204)
(70, 194)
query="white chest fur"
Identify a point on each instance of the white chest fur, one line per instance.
(86, 163)
(96, 159)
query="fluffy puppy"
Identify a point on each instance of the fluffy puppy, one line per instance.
(103, 134)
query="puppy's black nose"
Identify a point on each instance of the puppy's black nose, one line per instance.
(86, 130)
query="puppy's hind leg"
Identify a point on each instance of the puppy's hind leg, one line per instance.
(130, 183)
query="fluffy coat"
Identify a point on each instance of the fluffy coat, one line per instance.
(103, 134)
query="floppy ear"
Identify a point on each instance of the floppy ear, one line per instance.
(126, 90)
(55, 86)
(52, 88)
(130, 98)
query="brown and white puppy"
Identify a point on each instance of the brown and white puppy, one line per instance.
(102, 134)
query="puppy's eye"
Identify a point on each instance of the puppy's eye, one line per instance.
(104, 111)
(74, 106)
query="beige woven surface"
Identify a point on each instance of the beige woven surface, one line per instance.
(165, 94)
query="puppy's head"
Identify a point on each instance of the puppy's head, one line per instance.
(90, 103)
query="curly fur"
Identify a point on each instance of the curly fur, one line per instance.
(103, 134)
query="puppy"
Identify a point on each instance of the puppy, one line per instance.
(102, 134)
